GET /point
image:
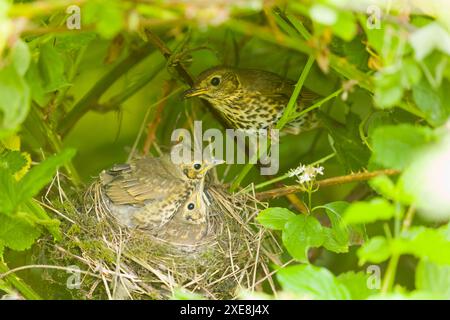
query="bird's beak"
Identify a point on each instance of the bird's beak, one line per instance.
(194, 92)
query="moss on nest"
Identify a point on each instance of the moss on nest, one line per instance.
(120, 263)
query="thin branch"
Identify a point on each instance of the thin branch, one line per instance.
(181, 70)
(354, 177)
(153, 125)
(91, 98)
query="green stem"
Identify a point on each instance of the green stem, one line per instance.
(90, 99)
(132, 89)
(280, 124)
(389, 276)
(19, 284)
(293, 99)
(341, 65)
(316, 105)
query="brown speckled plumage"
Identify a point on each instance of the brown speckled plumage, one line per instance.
(251, 99)
(159, 196)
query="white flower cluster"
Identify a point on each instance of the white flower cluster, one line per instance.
(305, 173)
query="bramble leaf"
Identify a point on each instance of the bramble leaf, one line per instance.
(300, 233)
(274, 218)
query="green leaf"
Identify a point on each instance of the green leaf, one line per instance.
(51, 67)
(274, 218)
(388, 89)
(21, 57)
(41, 217)
(431, 101)
(14, 100)
(74, 41)
(12, 161)
(376, 250)
(384, 186)
(36, 83)
(40, 175)
(411, 73)
(369, 211)
(337, 237)
(8, 192)
(424, 243)
(107, 16)
(312, 282)
(357, 284)
(397, 146)
(433, 278)
(300, 233)
(429, 38)
(346, 141)
(345, 26)
(17, 233)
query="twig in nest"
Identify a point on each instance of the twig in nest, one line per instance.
(354, 177)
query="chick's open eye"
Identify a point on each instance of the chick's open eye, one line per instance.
(215, 81)
(191, 206)
(197, 166)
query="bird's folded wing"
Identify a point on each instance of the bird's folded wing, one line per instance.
(140, 182)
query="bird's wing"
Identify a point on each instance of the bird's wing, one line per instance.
(143, 180)
(271, 84)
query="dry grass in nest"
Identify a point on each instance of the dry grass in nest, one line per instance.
(120, 263)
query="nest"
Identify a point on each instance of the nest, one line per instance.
(122, 263)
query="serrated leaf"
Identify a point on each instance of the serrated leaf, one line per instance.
(424, 243)
(397, 146)
(300, 233)
(431, 101)
(17, 233)
(274, 218)
(376, 250)
(369, 211)
(357, 284)
(311, 282)
(433, 278)
(51, 68)
(336, 237)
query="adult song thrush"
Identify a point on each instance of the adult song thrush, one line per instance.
(252, 99)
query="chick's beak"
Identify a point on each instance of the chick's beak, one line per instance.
(194, 92)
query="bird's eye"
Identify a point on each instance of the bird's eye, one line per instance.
(191, 206)
(215, 81)
(197, 166)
